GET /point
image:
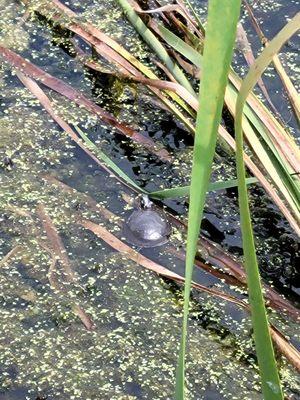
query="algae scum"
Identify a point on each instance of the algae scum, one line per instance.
(46, 352)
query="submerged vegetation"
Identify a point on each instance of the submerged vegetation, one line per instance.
(99, 106)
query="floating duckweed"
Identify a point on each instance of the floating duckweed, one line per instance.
(45, 349)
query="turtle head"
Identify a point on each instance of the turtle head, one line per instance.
(146, 203)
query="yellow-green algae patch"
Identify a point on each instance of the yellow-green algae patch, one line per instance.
(132, 353)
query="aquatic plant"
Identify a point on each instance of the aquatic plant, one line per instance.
(217, 53)
(274, 150)
(268, 370)
(218, 47)
(180, 45)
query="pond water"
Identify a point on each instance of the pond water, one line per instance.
(131, 352)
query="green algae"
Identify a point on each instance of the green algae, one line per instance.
(132, 352)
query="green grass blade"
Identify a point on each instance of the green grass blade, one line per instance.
(275, 164)
(112, 166)
(269, 375)
(173, 193)
(182, 191)
(218, 49)
(155, 45)
(180, 45)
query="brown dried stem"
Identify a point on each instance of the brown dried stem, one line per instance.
(60, 253)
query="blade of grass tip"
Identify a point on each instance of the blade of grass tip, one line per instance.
(155, 45)
(218, 49)
(108, 161)
(182, 191)
(271, 386)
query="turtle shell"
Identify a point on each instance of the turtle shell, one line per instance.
(147, 228)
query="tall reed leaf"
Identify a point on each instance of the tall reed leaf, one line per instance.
(218, 49)
(266, 360)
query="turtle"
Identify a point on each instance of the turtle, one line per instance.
(146, 227)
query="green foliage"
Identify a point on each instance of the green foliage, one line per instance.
(268, 370)
(180, 46)
(264, 134)
(218, 49)
(184, 190)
